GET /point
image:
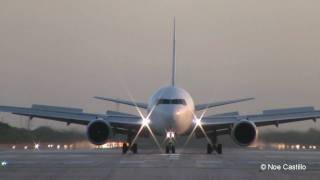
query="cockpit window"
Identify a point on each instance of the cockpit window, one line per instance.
(171, 101)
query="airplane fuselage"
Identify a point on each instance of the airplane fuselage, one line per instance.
(173, 110)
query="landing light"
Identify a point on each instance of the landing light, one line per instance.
(197, 121)
(170, 135)
(145, 121)
(36, 146)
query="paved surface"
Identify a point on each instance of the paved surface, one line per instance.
(189, 165)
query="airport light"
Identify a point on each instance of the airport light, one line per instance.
(13, 147)
(25, 147)
(4, 163)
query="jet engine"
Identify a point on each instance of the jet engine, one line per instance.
(98, 132)
(244, 132)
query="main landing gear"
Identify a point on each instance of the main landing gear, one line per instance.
(126, 148)
(215, 147)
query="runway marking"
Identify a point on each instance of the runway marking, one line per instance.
(44, 162)
(22, 162)
(174, 156)
(250, 162)
(78, 162)
(208, 162)
(274, 156)
(131, 162)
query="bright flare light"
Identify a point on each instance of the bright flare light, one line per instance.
(36, 146)
(4, 163)
(170, 135)
(145, 122)
(197, 122)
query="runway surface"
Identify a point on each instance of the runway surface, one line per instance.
(189, 165)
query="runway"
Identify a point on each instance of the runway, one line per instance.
(189, 165)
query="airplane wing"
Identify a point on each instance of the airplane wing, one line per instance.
(224, 122)
(75, 115)
(140, 105)
(215, 104)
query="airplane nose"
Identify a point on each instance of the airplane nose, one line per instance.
(175, 118)
(172, 113)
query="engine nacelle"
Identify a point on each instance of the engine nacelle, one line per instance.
(98, 132)
(244, 133)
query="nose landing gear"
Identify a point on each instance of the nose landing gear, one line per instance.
(170, 146)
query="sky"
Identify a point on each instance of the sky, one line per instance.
(64, 52)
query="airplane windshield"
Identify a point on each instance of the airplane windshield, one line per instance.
(171, 101)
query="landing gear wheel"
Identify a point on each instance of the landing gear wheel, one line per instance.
(170, 147)
(125, 148)
(134, 148)
(219, 148)
(173, 149)
(209, 148)
(167, 149)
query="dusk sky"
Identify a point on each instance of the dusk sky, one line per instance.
(64, 52)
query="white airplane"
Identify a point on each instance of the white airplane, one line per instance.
(170, 113)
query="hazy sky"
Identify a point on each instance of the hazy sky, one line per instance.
(63, 52)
